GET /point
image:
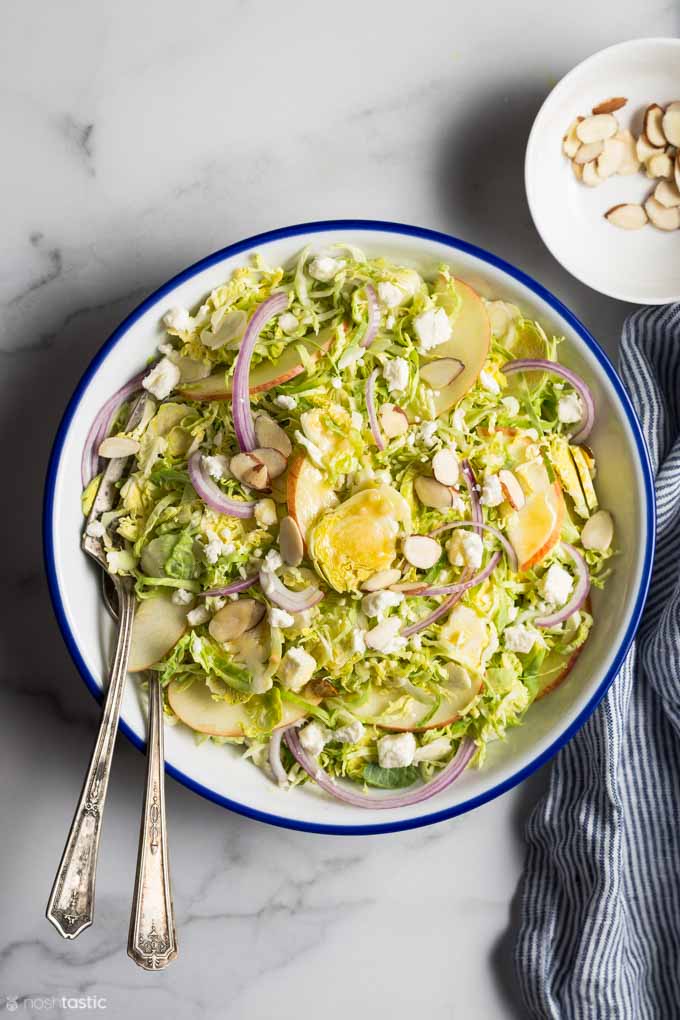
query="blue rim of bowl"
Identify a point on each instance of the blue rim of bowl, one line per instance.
(454, 243)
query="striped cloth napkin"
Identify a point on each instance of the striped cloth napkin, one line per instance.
(599, 936)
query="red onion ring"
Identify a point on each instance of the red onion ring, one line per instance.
(373, 317)
(472, 487)
(509, 551)
(443, 779)
(275, 765)
(370, 407)
(442, 608)
(232, 589)
(580, 594)
(240, 398)
(460, 586)
(99, 428)
(582, 388)
(292, 601)
(212, 495)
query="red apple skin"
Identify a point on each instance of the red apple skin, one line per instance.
(568, 666)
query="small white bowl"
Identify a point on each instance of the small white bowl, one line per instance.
(624, 483)
(642, 266)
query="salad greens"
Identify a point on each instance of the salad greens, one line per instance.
(382, 700)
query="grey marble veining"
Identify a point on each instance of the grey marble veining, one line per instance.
(137, 138)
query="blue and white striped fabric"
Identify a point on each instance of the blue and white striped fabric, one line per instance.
(599, 937)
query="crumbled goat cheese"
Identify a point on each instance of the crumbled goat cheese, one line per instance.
(492, 493)
(288, 322)
(519, 638)
(570, 409)
(265, 513)
(396, 751)
(324, 268)
(395, 372)
(162, 379)
(297, 668)
(377, 603)
(286, 402)
(182, 597)
(432, 327)
(556, 585)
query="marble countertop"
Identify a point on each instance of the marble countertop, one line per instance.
(139, 137)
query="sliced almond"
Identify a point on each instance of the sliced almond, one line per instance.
(676, 171)
(441, 372)
(290, 542)
(597, 128)
(512, 490)
(273, 460)
(627, 216)
(598, 531)
(118, 446)
(670, 123)
(432, 493)
(645, 151)
(590, 175)
(587, 153)
(652, 124)
(383, 579)
(393, 420)
(235, 619)
(421, 551)
(662, 217)
(660, 165)
(445, 467)
(257, 478)
(667, 193)
(610, 105)
(270, 434)
(630, 163)
(578, 170)
(242, 464)
(611, 157)
(571, 142)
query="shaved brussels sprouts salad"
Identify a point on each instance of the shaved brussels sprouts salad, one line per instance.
(360, 518)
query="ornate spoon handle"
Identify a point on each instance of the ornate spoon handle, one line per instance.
(71, 903)
(152, 942)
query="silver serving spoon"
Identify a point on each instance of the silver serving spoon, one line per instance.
(152, 942)
(71, 904)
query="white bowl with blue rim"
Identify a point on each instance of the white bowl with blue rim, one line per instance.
(624, 484)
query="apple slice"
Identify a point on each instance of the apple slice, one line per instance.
(464, 687)
(535, 529)
(196, 708)
(469, 343)
(157, 627)
(264, 376)
(556, 667)
(308, 493)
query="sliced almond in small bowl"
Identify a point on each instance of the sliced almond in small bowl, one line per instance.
(627, 216)
(421, 551)
(512, 490)
(442, 372)
(590, 175)
(597, 128)
(660, 165)
(393, 420)
(383, 579)
(667, 193)
(578, 170)
(270, 434)
(645, 151)
(610, 105)
(662, 217)
(571, 142)
(432, 493)
(611, 157)
(445, 467)
(587, 153)
(630, 163)
(290, 542)
(653, 128)
(670, 123)
(118, 446)
(235, 619)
